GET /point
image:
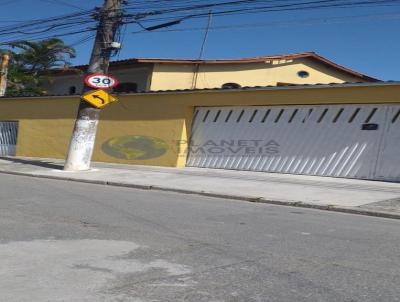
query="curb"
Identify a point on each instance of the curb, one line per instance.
(348, 210)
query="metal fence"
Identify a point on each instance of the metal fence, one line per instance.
(8, 138)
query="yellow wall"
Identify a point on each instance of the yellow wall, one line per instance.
(181, 76)
(45, 124)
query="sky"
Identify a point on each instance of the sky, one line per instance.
(363, 39)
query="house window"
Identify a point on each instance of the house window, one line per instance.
(72, 90)
(231, 86)
(126, 87)
(303, 74)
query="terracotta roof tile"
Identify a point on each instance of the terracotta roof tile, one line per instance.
(246, 88)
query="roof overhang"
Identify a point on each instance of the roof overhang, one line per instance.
(311, 55)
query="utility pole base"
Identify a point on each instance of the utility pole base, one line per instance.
(81, 146)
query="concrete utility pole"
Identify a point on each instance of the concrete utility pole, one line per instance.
(84, 135)
(3, 74)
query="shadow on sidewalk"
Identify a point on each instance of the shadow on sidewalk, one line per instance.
(39, 163)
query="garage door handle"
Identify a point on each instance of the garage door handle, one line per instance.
(370, 127)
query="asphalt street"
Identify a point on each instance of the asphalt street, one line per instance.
(67, 241)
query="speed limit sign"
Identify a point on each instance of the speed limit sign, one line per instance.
(101, 81)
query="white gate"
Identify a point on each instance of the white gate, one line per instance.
(8, 138)
(388, 165)
(355, 141)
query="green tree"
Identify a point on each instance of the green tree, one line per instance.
(30, 63)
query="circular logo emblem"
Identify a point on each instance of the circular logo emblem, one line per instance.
(135, 147)
(101, 81)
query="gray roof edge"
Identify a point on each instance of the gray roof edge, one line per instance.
(242, 89)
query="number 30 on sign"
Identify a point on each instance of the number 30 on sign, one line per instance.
(101, 81)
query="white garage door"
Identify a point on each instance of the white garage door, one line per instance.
(356, 141)
(8, 138)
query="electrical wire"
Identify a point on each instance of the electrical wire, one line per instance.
(64, 3)
(257, 8)
(299, 22)
(202, 48)
(152, 15)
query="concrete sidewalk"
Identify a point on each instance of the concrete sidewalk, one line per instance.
(346, 195)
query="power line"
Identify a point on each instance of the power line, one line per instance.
(287, 5)
(159, 14)
(48, 27)
(64, 3)
(177, 11)
(300, 22)
(203, 44)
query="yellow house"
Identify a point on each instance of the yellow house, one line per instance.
(178, 74)
(341, 130)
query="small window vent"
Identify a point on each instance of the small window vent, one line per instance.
(126, 87)
(231, 86)
(303, 74)
(72, 90)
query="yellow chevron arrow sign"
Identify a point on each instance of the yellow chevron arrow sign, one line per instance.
(99, 98)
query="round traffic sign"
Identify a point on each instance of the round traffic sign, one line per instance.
(101, 81)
